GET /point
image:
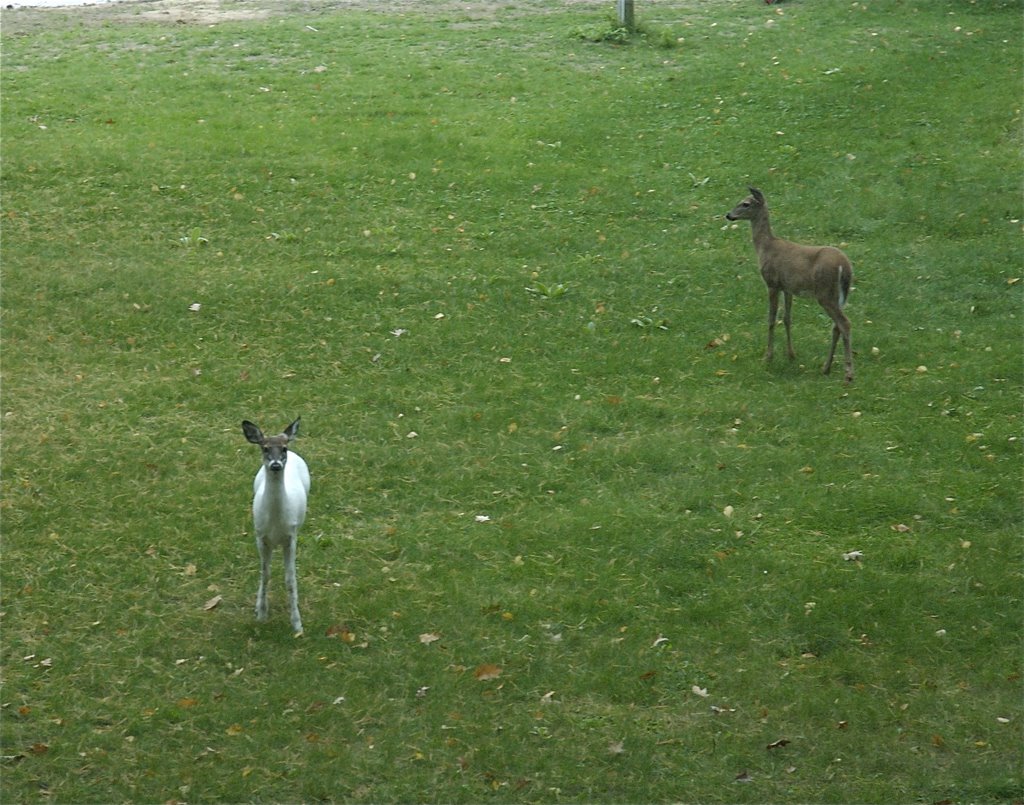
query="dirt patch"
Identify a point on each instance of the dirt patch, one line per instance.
(212, 12)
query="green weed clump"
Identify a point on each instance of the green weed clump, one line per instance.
(570, 539)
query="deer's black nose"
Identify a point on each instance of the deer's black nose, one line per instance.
(276, 466)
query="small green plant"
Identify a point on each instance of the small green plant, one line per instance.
(553, 291)
(614, 34)
(650, 320)
(193, 239)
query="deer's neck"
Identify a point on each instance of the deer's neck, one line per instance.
(274, 487)
(761, 230)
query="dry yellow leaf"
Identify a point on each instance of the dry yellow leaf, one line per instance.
(487, 671)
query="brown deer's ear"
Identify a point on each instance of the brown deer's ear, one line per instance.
(757, 194)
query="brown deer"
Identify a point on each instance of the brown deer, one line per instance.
(821, 272)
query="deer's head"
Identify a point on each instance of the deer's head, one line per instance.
(749, 208)
(275, 448)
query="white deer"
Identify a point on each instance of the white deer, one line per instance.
(821, 272)
(278, 509)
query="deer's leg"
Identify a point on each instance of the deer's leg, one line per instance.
(262, 607)
(840, 329)
(291, 585)
(832, 350)
(773, 314)
(844, 329)
(787, 319)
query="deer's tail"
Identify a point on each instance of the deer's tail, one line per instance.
(845, 278)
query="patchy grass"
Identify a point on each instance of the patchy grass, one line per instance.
(569, 538)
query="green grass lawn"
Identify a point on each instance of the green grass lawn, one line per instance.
(570, 539)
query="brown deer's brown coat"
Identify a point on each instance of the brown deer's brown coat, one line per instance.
(823, 273)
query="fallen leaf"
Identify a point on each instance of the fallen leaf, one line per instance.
(901, 528)
(342, 632)
(39, 748)
(616, 748)
(487, 671)
(429, 637)
(188, 702)
(728, 511)
(778, 744)
(744, 777)
(699, 691)
(234, 729)
(213, 603)
(853, 556)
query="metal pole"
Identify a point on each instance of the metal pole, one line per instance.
(625, 11)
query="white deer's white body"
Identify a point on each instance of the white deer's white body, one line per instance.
(279, 500)
(280, 490)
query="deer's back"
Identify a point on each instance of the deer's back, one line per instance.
(800, 269)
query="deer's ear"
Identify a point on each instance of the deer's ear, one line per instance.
(757, 194)
(293, 430)
(252, 433)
